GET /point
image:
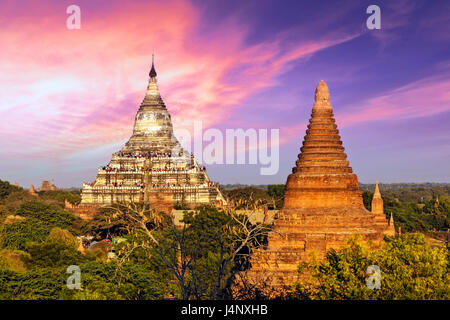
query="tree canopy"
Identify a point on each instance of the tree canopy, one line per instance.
(410, 269)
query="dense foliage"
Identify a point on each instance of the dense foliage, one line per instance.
(100, 281)
(244, 197)
(38, 241)
(202, 254)
(429, 216)
(38, 219)
(6, 188)
(409, 267)
(61, 196)
(414, 207)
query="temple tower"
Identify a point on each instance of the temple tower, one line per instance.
(390, 231)
(436, 202)
(322, 177)
(152, 166)
(152, 128)
(377, 201)
(45, 186)
(322, 207)
(32, 191)
(387, 226)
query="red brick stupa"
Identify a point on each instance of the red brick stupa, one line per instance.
(323, 204)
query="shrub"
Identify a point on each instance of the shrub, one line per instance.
(13, 260)
(40, 219)
(410, 268)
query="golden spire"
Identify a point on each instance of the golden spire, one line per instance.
(390, 230)
(377, 193)
(436, 202)
(391, 220)
(377, 202)
(153, 73)
(152, 88)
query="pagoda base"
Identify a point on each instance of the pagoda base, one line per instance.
(300, 235)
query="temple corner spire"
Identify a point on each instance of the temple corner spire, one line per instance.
(390, 231)
(377, 190)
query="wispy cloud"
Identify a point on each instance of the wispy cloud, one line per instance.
(68, 90)
(65, 94)
(421, 98)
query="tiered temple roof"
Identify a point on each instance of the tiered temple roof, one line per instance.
(323, 204)
(152, 166)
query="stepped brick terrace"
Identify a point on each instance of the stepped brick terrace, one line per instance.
(323, 204)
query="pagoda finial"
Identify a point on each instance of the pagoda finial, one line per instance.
(152, 88)
(377, 189)
(152, 73)
(322, 97)
(436, 202)
(322, 92)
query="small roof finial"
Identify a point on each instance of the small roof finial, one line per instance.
(152, 73)
(391, 220)
(377, 190)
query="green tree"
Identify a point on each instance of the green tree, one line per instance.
(112, 280)
(6, 189)
(200, 254)
(276, 191)
(13, 260)
(61, 196)
(245, 198)
(40, 218)
(51, 215)
(54, 253)
(367, 199)
(17, 234)
(410, 269)
(37, 284)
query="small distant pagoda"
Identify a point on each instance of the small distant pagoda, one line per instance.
(45, 186)
(152, 166)
(32, 191)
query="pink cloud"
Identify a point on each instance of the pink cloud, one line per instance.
(422, 98)
(71, 90)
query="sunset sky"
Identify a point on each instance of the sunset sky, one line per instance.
(68, 97)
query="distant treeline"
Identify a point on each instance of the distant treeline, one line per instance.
(363, 186)
(413, 205)
(409, 192)
(38, 241)
(238, 185)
